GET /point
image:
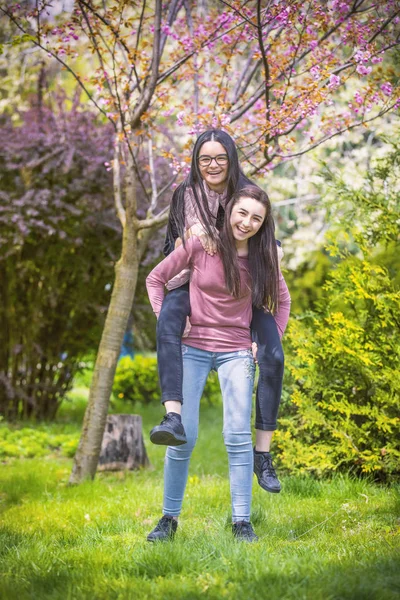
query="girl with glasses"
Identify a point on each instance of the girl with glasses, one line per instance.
(197, 209)
(224, 287)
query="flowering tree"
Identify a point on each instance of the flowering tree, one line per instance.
(266, 72)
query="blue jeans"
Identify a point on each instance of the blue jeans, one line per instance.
(170, 327)
(236, 377)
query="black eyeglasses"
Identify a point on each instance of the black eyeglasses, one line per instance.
(220, 159)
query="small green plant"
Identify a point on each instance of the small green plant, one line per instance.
(136, 380)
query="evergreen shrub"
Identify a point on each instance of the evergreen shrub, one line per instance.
(343, 358)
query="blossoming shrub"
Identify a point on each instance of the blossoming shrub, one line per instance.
(344, 357)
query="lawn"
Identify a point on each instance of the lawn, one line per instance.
(336, 539)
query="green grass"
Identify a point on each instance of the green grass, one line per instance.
(336, 539)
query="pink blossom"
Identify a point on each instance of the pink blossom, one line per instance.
(334, 82)
(362, 70)
(387, 88)
(225, 120)
(180, 118)
(358, 98)
(315, 72)
(362, 57)
(341, 7)
(376, 59)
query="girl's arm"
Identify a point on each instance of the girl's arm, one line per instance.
(282, 314)
(173, 264)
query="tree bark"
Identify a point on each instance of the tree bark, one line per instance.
(126, 274)
(123, 447)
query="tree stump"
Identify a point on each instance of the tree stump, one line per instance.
(123, 446)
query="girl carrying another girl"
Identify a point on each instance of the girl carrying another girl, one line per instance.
(197, 209)
(223, 288)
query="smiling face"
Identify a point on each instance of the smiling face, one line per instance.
(247, 217)
(216, 173)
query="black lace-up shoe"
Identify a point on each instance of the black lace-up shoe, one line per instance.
(243, 532)
(170, 432)
(164, 530)
(265, 472)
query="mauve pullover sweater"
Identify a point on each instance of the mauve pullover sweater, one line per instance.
(219, 322)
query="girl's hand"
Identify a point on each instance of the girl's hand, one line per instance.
(254, 349)
(208, 244)
(206, 241)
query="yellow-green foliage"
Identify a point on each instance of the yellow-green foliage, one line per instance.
(29, 443)
(136, 380)
(344, 358)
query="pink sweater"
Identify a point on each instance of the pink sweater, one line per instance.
(220, 323)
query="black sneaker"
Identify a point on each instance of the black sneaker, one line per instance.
(243, 532)
(170, 432)
(164, 530)
(265, 472)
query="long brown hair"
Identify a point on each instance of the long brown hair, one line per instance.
(263, 254)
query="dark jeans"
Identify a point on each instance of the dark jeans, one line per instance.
(271, 363)
(170, 327)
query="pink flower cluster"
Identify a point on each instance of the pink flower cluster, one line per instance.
(362, 57)
(387, 88)
(334, 82)
(340, 6)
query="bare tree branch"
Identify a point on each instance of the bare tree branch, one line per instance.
(245, 78)
(154, 193)
(117, 183)
(174, 8)
(285, 157)
(157, 221)
(150, 85)
(195, 65)
(266, 74)
(116, 35)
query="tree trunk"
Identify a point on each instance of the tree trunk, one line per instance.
(123, 447)
(126, 273)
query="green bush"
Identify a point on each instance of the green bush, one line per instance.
(344, 358)
(29, 443)
(136, 380)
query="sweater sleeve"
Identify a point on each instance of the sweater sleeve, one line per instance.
(282, 314)
(173, 264)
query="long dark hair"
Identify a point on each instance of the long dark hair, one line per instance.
(263, 254)
(235, 181)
